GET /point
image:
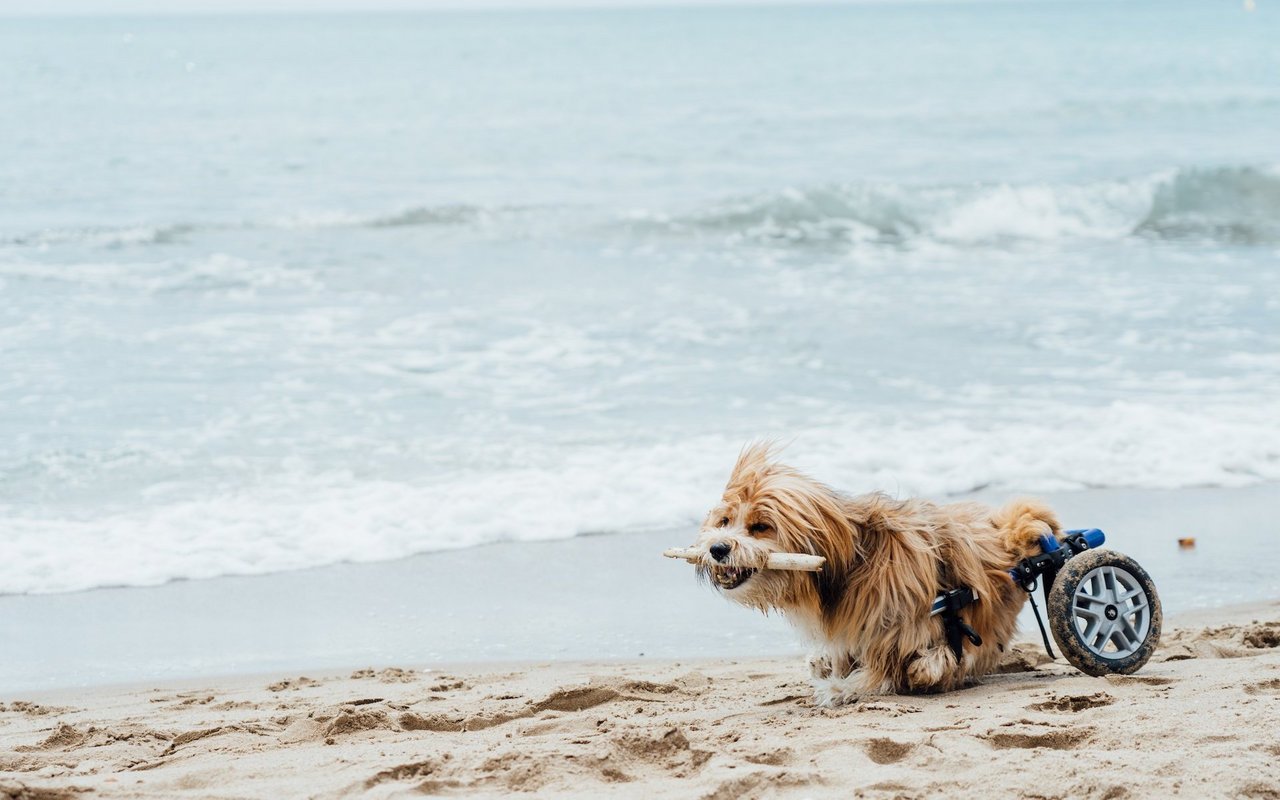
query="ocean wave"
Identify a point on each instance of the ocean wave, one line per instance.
(299, 519)
(1238, 205)
(427, 216)
(1233, 205)
(127, 236)
(433, 216)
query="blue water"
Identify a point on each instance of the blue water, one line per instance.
(280, 291)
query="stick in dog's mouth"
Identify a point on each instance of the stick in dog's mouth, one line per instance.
(799, 562)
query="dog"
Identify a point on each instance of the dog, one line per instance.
(867, 612)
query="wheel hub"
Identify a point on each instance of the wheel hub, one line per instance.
(1112, 612)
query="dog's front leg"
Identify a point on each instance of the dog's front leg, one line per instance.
(836, 678)
(933, 669)
(819, 666)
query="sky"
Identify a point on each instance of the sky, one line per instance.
(96, 7)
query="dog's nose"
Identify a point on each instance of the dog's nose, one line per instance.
(720, 551)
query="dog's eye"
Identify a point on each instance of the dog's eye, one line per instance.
(723, 522)
(758, 528)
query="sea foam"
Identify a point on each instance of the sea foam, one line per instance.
(304, 518)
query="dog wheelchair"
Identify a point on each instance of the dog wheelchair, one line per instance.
(1102, 605)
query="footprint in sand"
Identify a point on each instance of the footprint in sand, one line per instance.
(670, 751)
(1060, 739)
(1073, 703)
(887, 751)
(568, 700)
(1258, 791)
(601, 692)
(416, 770)
(187, 737)
(1266, 687)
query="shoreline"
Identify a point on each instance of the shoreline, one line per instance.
(1198, 720)
(1027, 641)
(590, 597)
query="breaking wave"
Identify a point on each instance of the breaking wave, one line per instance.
(1237, 205)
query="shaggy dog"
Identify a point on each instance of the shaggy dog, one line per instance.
(867, 612)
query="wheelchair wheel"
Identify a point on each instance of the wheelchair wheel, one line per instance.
(1104, 613)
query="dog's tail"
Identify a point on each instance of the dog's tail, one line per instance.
(1021, 524)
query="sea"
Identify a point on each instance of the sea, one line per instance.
(280, 291)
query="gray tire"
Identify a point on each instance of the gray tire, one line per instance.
(1104, 613)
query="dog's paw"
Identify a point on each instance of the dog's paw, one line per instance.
(825, 697)
(932, 669)
(832, 692)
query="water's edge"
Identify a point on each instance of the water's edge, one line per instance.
(596, 597)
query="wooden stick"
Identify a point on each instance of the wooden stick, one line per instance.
(796, 562)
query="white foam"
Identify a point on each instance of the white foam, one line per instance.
(1045, 213)
(301, 519)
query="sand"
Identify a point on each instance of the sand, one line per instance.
(1201, 720)
(197, 688)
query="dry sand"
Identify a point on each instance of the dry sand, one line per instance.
(1201, 720)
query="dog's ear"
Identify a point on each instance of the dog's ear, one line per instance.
(831, 586)
(811, 518)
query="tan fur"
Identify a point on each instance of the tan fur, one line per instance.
(887, 559)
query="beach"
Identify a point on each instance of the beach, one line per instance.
(358, 366)
(592, 665)
(1199, 721)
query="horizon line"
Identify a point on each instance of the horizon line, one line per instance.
(204, 8)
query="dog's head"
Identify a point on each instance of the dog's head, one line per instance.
(767, 508)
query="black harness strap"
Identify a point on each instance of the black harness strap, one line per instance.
(952, 600)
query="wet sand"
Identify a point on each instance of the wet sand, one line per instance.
(587, 598)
